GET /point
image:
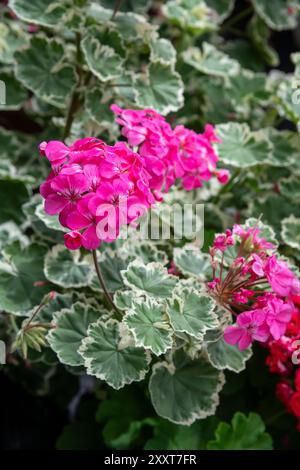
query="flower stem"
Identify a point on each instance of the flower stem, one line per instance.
(103, 285)
(116, 9)
(75, 98)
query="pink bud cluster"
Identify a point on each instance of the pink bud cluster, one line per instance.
(171, 154)
(88, 179)
(255, 287)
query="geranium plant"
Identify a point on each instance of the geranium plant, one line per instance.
(114, 116)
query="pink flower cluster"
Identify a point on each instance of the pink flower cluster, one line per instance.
(256, 287)
(171, 154)
(95, 188)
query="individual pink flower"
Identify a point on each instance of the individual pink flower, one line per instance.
(249, 326)
(257, 265)
(81, 218)
(66, 190)
(278, 315)
(223, 176)
(282, 280)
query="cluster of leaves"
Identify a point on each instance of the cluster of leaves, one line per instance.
(63, 64)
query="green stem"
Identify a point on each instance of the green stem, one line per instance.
(116, 9)
(75, 98)
(103, 285)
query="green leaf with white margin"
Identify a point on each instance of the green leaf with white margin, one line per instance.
(149, 325)
(290, 188)
(192, 313)
(41, 69)
(160, 88)
(66, 268)
(42, 12)
(244, 433)
(191, 261)
(50, 221)
(278, 14)
(185, 390)
(111, 264)
(106, 357)
(163, 50)
(290, 231)
(149, 279)
(104, 52)
(240, 147)
(21, 269)
(15, 94)
(223, 8)
(248, 88)
(145, 250)
(224, 356)
(285, 147)
(71, 327)
(12, 37)
(192, 15)
(211, 61)
(130, 25)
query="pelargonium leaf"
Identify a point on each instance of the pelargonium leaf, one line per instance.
(192, 313)
(104, 52)
(40, 68)
(149, 325)
(106, 358)
(211, 61)
(66, 269)
(224, 356)
(23, 267)
(279, 14)
(151, 279)
(290, 232)
(242, 148)
(191, 261)
(43, 12)
(161, 88)
(186, 389)
(71, 327)
(244, 433)
(162, 49)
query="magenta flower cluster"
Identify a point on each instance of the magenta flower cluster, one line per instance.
(90, 181)
(96, 188)
(256, 287)
(171, 154)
